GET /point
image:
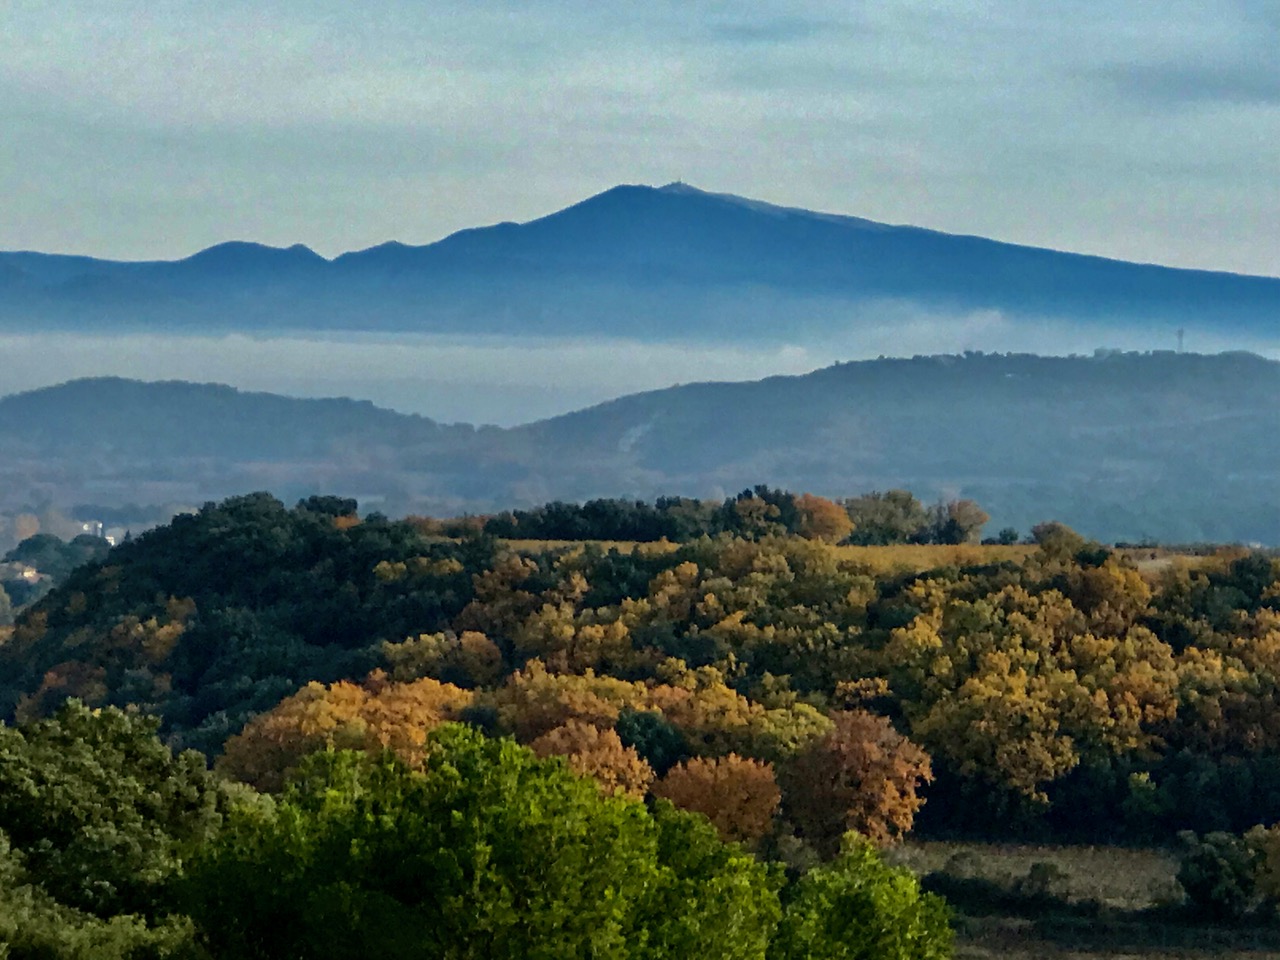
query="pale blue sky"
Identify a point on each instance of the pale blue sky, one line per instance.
(1140, 130)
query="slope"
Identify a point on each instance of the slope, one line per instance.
(1124, 446)
(649, 263)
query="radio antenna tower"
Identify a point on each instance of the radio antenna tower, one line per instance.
(1181, 333)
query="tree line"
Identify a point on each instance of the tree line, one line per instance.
(889, 517)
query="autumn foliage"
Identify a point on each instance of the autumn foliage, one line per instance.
(862, 776)
(738, 795)
(1060, 687)
(592, 752)
(374, 716)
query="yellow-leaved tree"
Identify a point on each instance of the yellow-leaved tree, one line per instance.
(374, 716)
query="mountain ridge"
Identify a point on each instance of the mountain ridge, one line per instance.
(678, 188)
(671, 262)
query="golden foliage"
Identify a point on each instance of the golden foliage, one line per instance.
(569, 640)
(535, 701)
(375, 716)
(470, 660)
(416, 568)
(592, 752)
(822, 519)
(1013, 688)
(717, 720)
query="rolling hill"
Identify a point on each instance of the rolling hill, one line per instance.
(1177, 447)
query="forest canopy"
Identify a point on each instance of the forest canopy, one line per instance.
(1062, 689)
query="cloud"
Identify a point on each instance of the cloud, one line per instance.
(1202, 55)
(1255, 82)
(478, 380)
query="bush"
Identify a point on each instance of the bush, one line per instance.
(859, 908)
(34, 926)
(1219, 874)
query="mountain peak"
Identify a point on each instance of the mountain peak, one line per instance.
(244, 253)
(679, 186)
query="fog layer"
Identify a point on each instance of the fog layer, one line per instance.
(508, 381)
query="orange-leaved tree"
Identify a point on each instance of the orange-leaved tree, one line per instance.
(592, 752)
(739, 796)
(861, 776)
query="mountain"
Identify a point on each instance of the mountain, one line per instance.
(175, 419)
(670, 262)
(111, 442)
(1123, 446)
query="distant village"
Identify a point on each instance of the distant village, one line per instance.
(41, 550)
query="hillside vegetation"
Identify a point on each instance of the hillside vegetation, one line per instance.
(1165, 447)
(1060, 692)
(435, 742)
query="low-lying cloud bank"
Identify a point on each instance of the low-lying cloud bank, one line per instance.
(508, 381)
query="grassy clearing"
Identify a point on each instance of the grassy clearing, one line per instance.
(1090, 908)
(1002, 938)
(913, 558)
(1118, 878)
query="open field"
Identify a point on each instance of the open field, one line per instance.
(1006, 938)
(1093, 898)
(1118, 878)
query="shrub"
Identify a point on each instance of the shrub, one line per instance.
(1219, 874)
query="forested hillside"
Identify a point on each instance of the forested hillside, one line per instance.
(434, 741)
(1125, 447)
(1064, 689)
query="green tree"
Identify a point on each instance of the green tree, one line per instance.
(35, 925)
(1057, 541)
(101, 811)
(858, 908)
(894, 516)
(713, 900)
(489, 852)
(956, 521)
(1219, 873)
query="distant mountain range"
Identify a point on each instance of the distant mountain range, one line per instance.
(1177, 447)
(641, 262)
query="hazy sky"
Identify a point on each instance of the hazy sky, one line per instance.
(152, 128)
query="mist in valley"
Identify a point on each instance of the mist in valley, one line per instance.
(508, 381)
